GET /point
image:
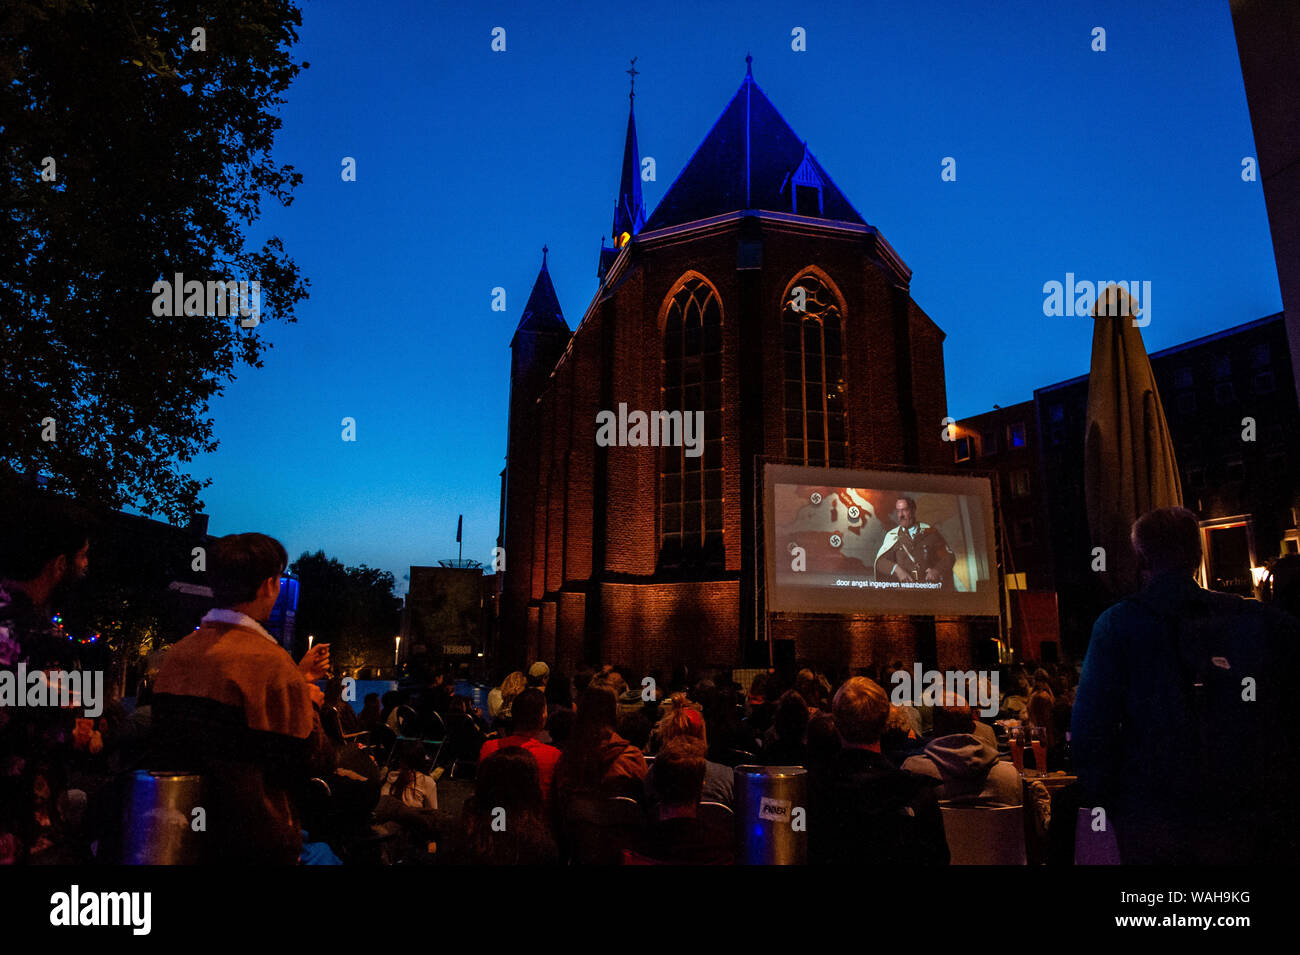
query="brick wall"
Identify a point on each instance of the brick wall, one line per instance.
(644, 626)
(569, 502)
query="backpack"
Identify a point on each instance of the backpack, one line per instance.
(1239, 742)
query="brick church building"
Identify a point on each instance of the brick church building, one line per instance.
(650, 556)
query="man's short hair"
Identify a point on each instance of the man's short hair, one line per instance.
(679, 771)
(911, 501)
(528, 711)
(953, 715)
(1168, 538)
(36, 530)
(239, 563)
(861, 708)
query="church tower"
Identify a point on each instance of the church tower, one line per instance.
(538, 342)
(757, 301)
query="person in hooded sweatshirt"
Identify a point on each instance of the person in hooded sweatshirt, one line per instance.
(861, 809)
(968, 768)
(597, 760)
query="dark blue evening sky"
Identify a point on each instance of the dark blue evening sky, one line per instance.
(1117, 165)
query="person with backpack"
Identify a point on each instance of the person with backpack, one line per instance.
(1181, 730)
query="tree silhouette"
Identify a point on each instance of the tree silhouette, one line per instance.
(133, 148)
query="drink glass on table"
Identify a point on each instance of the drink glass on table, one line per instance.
(1016, 737)
(1038, 740)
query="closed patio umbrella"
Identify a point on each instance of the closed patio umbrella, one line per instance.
(1129, 466)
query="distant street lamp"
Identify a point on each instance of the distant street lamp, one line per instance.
(310, 638)
(397, 649)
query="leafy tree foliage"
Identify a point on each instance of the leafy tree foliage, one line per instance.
(353, 609)
(160, 157)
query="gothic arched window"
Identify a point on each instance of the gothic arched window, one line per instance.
(812, 332)
(690, 483)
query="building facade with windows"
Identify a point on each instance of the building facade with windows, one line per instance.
(1230, 401)
(1005, 441)
(757, 296)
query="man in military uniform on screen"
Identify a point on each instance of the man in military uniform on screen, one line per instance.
(914, 551)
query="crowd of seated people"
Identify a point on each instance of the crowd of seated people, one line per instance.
(292, 774)
(875, 780)
(865, 759)
(875, 783)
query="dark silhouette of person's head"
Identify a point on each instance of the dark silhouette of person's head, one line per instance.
(529, 712)
(791, 718)
(1168, 540)
(861, 709)
(559, 693)
(823, 740)
(243, 568)
(509, 778)
(679, 771)
(560, 725)
(953, 716)
(597, 716)
(43, 543)
(503, 821)
(635, 727)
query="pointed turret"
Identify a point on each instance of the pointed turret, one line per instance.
(629, 208)
(542, 314)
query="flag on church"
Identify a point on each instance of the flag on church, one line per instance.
(459, 521)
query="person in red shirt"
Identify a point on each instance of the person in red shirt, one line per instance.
(529, 719)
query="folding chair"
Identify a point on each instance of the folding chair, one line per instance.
(408, 721)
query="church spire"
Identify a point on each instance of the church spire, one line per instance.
(629, 213)
(629, 209)
(542, 314)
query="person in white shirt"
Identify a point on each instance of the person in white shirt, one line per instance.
(408, 782)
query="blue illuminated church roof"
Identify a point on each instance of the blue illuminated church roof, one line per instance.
(751, 159)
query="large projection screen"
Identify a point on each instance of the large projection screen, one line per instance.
(837, 541)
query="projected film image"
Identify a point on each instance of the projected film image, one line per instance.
(882, 542)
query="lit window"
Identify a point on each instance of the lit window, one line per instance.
(963, 449)
(1016, 435)
(690, 488)
(1020, 483)
(815, 430)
